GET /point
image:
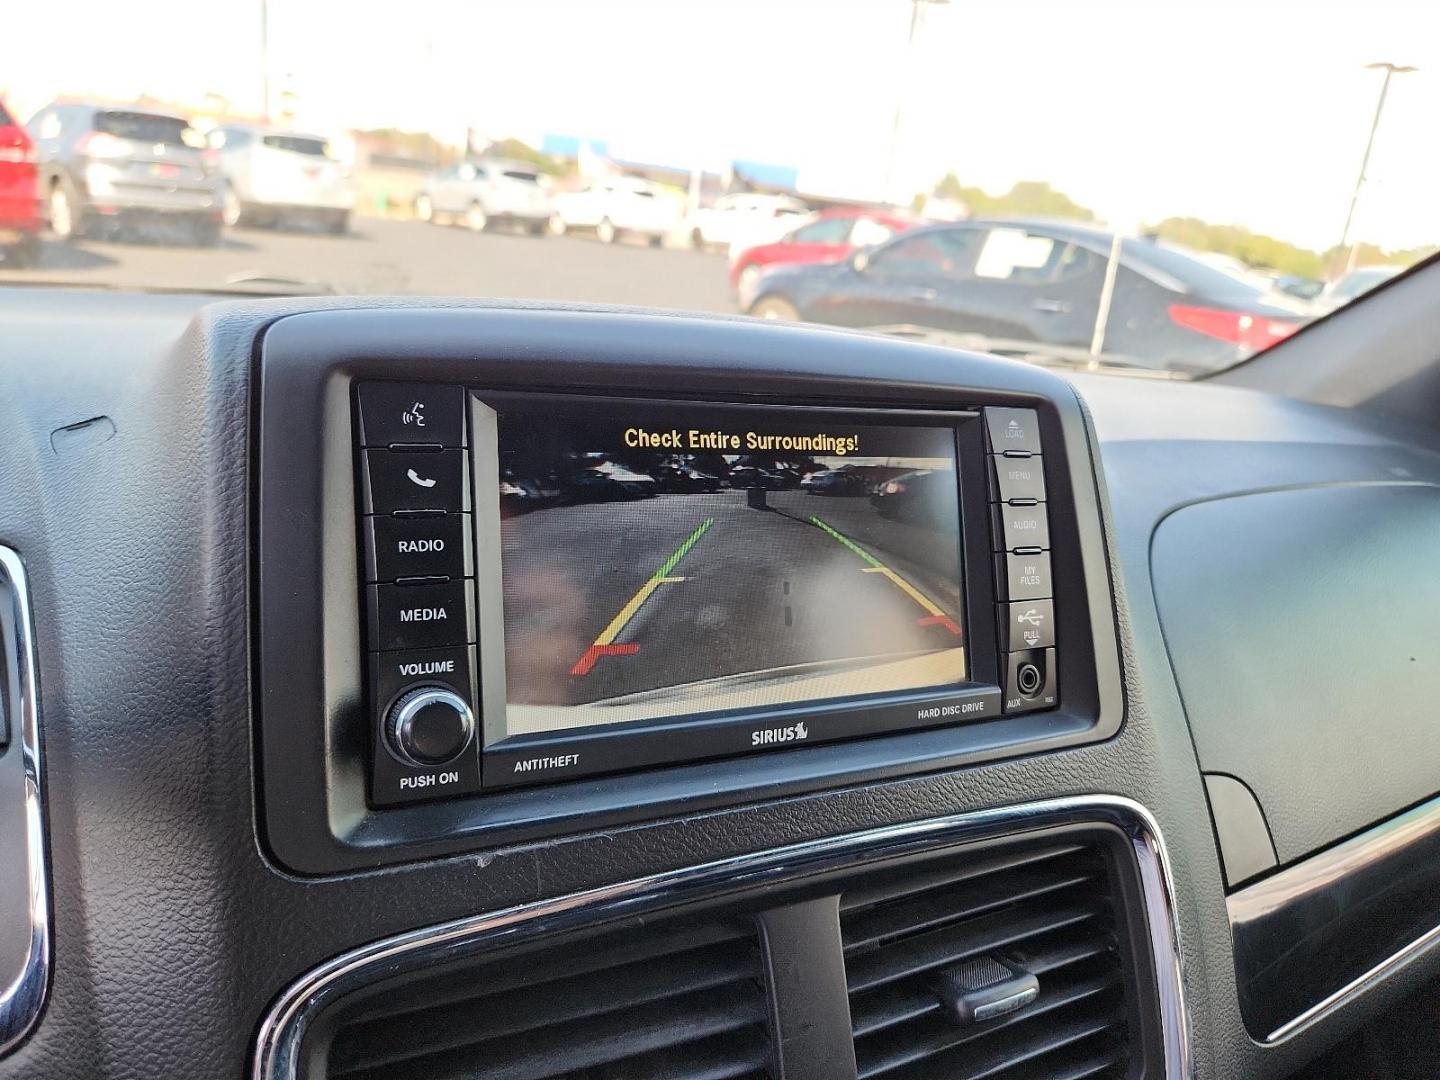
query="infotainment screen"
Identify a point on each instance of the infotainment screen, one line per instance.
(671, 562)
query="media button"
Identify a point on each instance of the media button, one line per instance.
(414, 480)
(1013, 429)
(423, 413)
(409, 547)
(420, 616)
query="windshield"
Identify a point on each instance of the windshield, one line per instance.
(297, 144)
(1167, 187)
(166, 130)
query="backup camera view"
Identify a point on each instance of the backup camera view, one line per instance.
(656, 569)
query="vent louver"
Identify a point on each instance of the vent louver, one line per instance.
(682, 1002)
(1044, 911)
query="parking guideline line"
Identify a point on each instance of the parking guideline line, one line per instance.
(937, 614)
(604, 645)
(856, 548)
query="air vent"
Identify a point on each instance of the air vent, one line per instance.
(686, 1002)
(913, 936)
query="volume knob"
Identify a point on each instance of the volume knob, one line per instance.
(430, 726)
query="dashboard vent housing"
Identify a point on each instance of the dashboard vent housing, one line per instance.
(681, 1001)
(1045, 911)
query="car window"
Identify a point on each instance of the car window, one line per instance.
(867, 232)
(297, 144)
(521, 176)
(47, 125)
(945, 252)
(1017, 255)
(145, 127)
(466, 171)
(231, 138)
(5, 117)
(827, 231)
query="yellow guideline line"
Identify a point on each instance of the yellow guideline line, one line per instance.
(915, 594)
(612, 631)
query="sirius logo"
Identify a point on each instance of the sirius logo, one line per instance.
(768, 736)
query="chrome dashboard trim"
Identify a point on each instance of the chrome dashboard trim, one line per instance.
(279, 1042)
(22, 995)
(1333, 882)
(1353, 989)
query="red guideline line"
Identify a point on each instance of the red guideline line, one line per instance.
(941, 620)
(595, 652)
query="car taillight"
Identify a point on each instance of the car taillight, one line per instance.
(101, 144)
(1253, 332)
(210, 160)
(18, 155)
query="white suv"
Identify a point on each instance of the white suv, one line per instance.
(744, 221)
(273, 176)
(480, 192)
(619, 206)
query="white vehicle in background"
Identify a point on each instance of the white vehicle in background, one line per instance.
(744, 221)
(1353, 285)
(481, 193)
(619, 206)
(273, 176)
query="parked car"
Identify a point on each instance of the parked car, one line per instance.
(273, 176)
(831, 236)
(20, 218)
(917, 497)
(479, 193)
(112, 166)
(618, 206)
(1354, 284)
(684, 479)
(846, 480)
(1034, 288)
(747, 219)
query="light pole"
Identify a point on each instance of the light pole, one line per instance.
(265, 61)
(1390, 71)
(895, 124)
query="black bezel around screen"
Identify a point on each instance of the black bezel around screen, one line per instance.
(510, 760)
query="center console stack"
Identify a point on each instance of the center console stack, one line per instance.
(538, 572)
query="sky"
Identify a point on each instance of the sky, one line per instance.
(1253, 113)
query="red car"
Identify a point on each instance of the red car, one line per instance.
(829, 237)
(20, 219)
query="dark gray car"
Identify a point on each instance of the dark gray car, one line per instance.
(104, 167)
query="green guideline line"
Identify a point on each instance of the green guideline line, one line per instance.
(856, 548)
(683, 549)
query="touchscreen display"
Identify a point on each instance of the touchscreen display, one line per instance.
(676, 564)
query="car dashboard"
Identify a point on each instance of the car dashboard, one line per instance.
(450, 688)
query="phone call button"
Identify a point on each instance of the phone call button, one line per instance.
(414, 480)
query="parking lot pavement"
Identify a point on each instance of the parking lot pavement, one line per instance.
(680, 588)
(403, 257)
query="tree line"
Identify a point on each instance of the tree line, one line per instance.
(1037, 198)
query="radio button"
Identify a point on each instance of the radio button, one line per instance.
(411, 413)
(1017, 478)
(414, 480)
(1013, 429)
(404, 547)
(420, 616)
(1024, 577)
(1029, 624)
(1018, 527)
